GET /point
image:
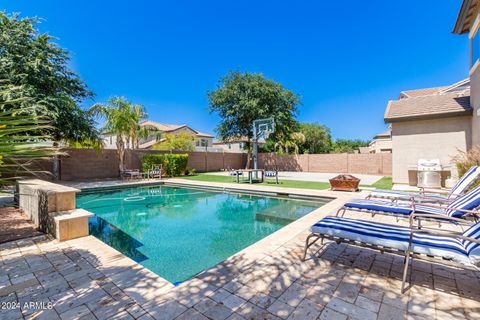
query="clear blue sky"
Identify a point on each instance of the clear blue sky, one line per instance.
(345, 58)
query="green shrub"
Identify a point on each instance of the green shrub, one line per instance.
(173, 164)
(466, 160)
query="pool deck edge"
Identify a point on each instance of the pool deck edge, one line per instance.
(148, 285)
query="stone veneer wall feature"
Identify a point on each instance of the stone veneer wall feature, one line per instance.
(51, 207)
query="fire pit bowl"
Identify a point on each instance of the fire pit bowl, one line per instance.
(344, 182)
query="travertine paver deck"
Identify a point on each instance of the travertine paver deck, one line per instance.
(86, 279)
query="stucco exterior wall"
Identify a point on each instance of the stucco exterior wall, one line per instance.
(428, 139)
(381, 145)
(230, 147)
(475, 103)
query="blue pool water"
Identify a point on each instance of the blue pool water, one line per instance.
(179, 232)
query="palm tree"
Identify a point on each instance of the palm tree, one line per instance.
(290, 142)
(20, 140)
(122, 119)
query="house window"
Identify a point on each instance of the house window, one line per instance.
(202, 143)
(475, 48)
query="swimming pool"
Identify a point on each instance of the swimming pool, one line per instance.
(178, 232)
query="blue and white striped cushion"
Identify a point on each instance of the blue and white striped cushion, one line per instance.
(472, 248)
(468, 201)
(391, 236)
(465, 181)
(390, 207)
(270, 173)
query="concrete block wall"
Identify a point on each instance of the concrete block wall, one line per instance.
(84, 164)
(376, 163)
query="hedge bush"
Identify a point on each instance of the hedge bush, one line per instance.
(172, 164)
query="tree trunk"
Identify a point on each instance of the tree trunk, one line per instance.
(121, 154)
(56, 164)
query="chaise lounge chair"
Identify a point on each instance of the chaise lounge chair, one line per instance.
(461, 206)
(462, 248)
(458, 189)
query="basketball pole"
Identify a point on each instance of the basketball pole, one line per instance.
(257, 132)
(255, 146)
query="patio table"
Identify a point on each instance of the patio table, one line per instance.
(250, 173)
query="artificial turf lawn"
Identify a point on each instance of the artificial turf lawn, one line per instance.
(383, 183)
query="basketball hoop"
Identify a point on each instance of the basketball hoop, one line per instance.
(261, 128)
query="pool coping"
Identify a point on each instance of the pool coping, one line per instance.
(241, 259)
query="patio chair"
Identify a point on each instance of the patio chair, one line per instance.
(131, 174)
(463, 248)
(272, 173)
(462, 186)
(155, 171)
(234, 173)
(461, 206)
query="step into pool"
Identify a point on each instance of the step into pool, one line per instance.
(178, 232)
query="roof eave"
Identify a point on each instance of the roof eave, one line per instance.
(430, 116)
(460, 27)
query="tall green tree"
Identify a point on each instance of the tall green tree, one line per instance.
(122, 119)
(183, 141)
(348, 145)
(32, 60)
(243, 97)
(318, 138)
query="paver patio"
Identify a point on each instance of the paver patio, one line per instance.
(85, 279)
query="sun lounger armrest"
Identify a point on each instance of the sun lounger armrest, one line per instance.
(431, 205)
(474, 212)
(427, 216)
(438, 200)
(445, 233)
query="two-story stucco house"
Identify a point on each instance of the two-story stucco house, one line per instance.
(202, 142)
(437, 123)
(430, 123)
(381, 143)
(235, 145)
(468, 22)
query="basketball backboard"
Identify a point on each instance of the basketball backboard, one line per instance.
(263, 127)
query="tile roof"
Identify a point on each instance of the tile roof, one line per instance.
(172, 127)
(429, 106)
(387, 133)
(421, 92)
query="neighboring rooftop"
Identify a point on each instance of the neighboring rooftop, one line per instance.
(385, 134)
(437, 102)
(174, 127)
